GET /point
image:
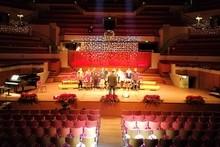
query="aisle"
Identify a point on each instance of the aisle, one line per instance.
(110, 132)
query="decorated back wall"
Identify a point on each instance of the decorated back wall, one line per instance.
(109, 59)
(108, 51)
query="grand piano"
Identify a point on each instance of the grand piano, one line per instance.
(20, 81)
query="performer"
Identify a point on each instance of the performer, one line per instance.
(95, 78)
(106, 74)
(135, 80)
(112, 81)
(128, 80)
(128, 73)
(121, 77)
(80, 76)
(102, 79)
(88, 79)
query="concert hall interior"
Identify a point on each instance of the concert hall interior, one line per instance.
(110, 73)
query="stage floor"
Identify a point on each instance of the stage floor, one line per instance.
(169, 94)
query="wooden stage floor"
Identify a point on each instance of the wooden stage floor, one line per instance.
(169, 94)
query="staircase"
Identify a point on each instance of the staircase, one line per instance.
(66, 73)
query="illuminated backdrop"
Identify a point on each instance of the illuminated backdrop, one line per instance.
(109, 51)
(109, 59)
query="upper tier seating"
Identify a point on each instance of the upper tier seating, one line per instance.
(20, 43)
(110, 6)
(198, 5)
(147, 22)
(197, 45)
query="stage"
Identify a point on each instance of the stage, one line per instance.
(167, 92)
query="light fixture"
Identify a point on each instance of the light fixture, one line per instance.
(16, 25)
(20, 16)
(198, 18)
(200, 23)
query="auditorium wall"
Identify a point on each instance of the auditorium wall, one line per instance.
(155, 57)
(164, 68)
(205, 78)
(41, 30)
(171, 33)
(94, 43)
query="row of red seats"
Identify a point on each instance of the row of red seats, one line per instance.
(50, 123)
(51, 111)
(43, 136)
(172, 113)
(170, 127)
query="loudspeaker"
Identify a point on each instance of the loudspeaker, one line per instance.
(71, 45)
(109, 23)
(214, 21)
(148, 46)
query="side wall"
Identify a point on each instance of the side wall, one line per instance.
(205, 79)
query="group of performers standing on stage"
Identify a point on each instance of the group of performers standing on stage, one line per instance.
(100, 78)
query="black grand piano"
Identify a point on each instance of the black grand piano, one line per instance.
(17, 82)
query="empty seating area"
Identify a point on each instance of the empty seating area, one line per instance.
(46, 127)
(197, 45)
(64, 9)
(203, 65)
(159, 128)
(20, 43)
(147, 22)
(110, 6)
(198, 5)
